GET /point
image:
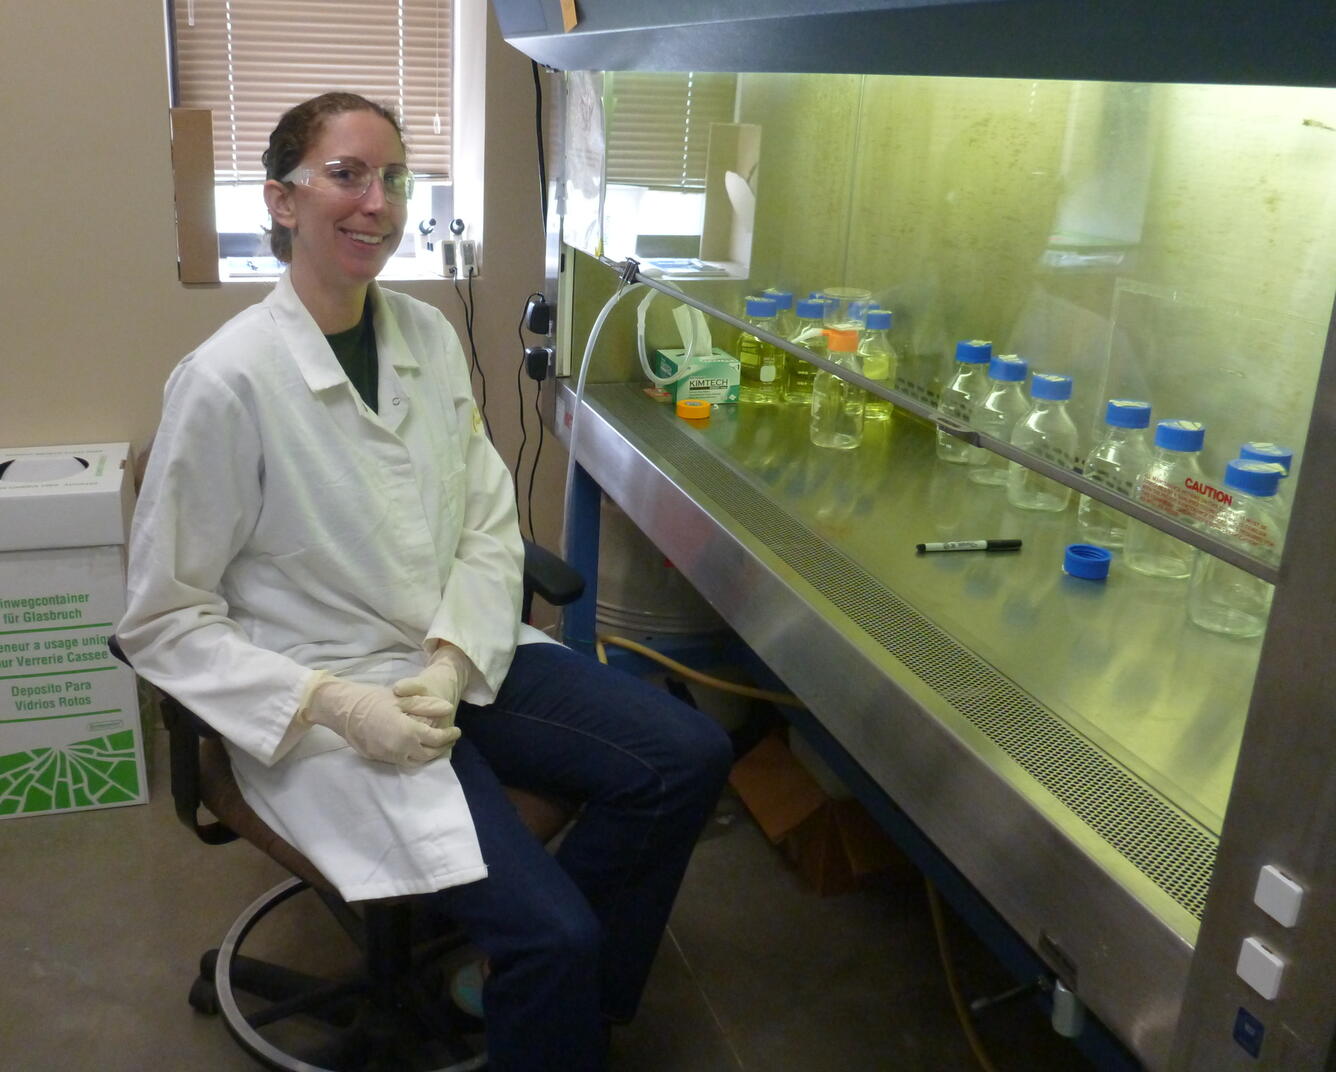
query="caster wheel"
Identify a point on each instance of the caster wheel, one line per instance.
(203, 996)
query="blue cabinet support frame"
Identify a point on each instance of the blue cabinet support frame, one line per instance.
(581, 551)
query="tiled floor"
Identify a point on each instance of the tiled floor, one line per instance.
(103, 915)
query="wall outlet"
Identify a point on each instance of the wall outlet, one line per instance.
(468, 258)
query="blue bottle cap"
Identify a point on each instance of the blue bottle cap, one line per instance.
(783, 299)
(974, 351)
(858, 310)
(1268, 452)
(1125, 413)
(879, 320)
(764, 308)
(1253, 477)
(1180, 435)
(1009, 368)
(811, 309)
(1050, 386)
(1086, 561)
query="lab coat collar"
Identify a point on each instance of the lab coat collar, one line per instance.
(310, 350)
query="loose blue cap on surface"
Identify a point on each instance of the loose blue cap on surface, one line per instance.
(762, 307)
(1125, 413)
(811, 309)
(879, 320)
(782, 298)
(1050, 386)
(1253, 477)
(1008, 368)
(1267, 452)
(974, 351)
(1180, 435)
(1086, 561)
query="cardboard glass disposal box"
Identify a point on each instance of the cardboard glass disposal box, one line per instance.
(70, 735)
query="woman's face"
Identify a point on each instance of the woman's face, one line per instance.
(342, 241)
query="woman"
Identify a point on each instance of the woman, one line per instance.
(325, 565)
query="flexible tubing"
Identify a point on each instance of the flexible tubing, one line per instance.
(694, 675)
(688, 367)
(580, 382)
(957, 1000)
(934, 902)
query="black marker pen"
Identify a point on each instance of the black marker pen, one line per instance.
(971, 545)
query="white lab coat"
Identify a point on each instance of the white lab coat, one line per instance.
(284, 528)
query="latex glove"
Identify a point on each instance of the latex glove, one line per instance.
(434, 692)
(368, 718)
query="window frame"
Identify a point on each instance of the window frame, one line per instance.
(438, 199)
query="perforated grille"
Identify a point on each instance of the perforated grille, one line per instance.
(1161, 842)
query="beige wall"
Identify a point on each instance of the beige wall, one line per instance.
(94, 316)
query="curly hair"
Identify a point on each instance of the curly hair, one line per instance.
(298, 128)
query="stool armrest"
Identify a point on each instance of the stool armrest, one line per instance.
(550, 576)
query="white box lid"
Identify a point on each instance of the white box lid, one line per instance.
(68, 496)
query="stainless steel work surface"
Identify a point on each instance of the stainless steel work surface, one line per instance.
(808, 555)
(1104, 692)
(1117, 659)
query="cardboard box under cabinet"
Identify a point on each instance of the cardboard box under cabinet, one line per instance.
(831, 840)
(70, 731)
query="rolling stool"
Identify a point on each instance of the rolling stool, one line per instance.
(394, 1013)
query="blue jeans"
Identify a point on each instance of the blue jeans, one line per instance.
(571, 936)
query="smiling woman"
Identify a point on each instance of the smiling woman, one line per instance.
(325, 566)
(336, 224)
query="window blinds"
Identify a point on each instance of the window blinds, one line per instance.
(659, 125)
(248, 61)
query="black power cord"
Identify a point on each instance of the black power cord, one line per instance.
(537, 316)
(533, 469)
(519, 394)
(538, 127)
(469, 310)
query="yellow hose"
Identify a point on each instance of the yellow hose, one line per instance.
(693, 675)
(934, 903)
(962, 1012)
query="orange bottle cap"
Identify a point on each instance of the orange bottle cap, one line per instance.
(842, 342)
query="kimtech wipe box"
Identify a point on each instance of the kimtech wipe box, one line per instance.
(70, 735)
(714, 380)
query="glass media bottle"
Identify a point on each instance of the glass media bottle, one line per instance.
(1047, 432)
(811, 333)
(997, 415)
(966, 389)
(1116, 463)
(1170, 484)
(786, 322)
(762, 364)
(880, 362)
(1223, 598)
(837, 405)
(1277, 455)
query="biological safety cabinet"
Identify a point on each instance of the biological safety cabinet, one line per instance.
(1141, 196)
(69, 714)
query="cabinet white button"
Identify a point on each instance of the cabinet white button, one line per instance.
(1279, 897)
(1260, 968)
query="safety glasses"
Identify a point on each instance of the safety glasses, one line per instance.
(351, 178)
